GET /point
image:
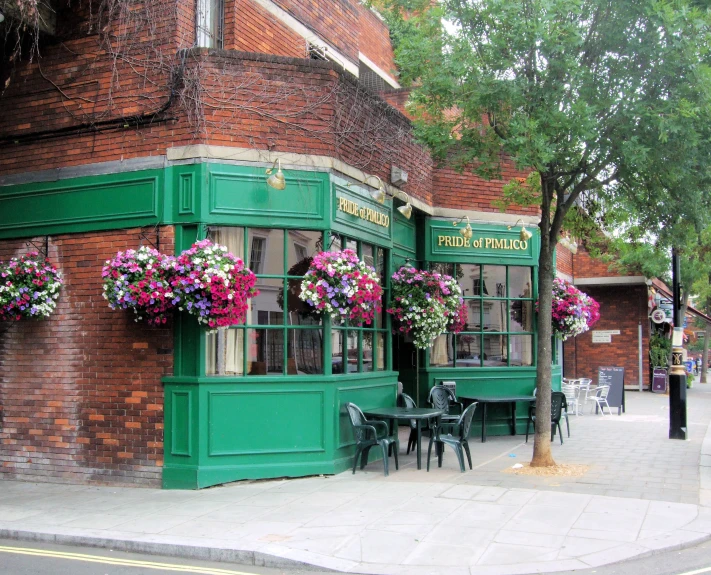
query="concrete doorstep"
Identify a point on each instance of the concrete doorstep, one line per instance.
(643, 494)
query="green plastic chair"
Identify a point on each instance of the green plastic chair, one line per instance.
(458, 442)
(369, 433)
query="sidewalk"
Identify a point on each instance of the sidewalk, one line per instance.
(642, 494)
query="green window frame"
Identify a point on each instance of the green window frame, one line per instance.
(369, 342)
(486, 342)
(286, 342)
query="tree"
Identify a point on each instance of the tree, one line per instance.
(601, 100)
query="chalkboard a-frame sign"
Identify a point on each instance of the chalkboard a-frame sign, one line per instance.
(615, 378)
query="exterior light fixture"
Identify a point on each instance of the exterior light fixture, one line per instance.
(379, 194)
(2, 17)
(525, 235)
(277, 180)
(466, 232)
(405, 210)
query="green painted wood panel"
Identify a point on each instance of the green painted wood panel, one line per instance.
(273, 427)
(240, 195)
(82, 204)
(181, 423)
(490, 244)
(266, 421)
(404, 240)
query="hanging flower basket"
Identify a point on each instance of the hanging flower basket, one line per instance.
(29, 288)
(139, 280)
(574, 312)
(340, 285)
(293, 291)
(213, 285)
(425, 304)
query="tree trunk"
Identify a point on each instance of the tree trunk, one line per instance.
(542, 456)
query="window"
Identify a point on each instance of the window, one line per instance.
(282, 335)
(357, 347)
(256, 255)
(499, 332)
(209, 23)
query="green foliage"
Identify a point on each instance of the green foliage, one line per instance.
(659, 350)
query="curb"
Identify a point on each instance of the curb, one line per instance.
(216, 554)
(246, 557)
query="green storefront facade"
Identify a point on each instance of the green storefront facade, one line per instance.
(265, 399)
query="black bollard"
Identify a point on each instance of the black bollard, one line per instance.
(677, 397)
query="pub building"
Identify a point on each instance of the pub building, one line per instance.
(265, 399)
(89, 395)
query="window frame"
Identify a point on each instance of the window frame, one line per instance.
(483, 299)
(327, 327)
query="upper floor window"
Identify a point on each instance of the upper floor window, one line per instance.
(209, 23)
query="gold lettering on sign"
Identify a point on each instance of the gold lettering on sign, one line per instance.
(491, 243)
(367, 214)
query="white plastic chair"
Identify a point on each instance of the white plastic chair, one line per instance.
(571, 397)
(600, 398)
(585, 393)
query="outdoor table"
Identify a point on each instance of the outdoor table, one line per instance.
(483, 401)
(419, 414)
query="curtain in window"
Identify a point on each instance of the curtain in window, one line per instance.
(225, 348)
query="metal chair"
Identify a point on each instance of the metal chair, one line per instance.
(457, 442)
(600, 399)
(369, 433)
(557, 401)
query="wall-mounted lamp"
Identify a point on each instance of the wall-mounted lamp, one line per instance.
(277, 180)
(466, 232)
(405, 210)
(379, 194)
(525, 235)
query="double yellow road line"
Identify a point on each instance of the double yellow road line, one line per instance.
(120, 562)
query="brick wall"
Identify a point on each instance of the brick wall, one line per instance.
(80, 393)
(584, 266)
(623, 308)
(467, 191)
(564, 260)
(374, 41)
(250, 28)
(336, 21)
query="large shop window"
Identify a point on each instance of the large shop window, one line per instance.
(499, 332)
(282, 335)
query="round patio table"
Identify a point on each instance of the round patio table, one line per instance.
(483, 401)
(419, 414)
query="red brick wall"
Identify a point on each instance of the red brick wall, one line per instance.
(623, 308)
(564, 260)
(337, 21)
(397, 99)
(584, 266)
(374, 41)
(80, 393)
(250, 28)
(467, 191)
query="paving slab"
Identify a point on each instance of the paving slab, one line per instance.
(642, 494)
